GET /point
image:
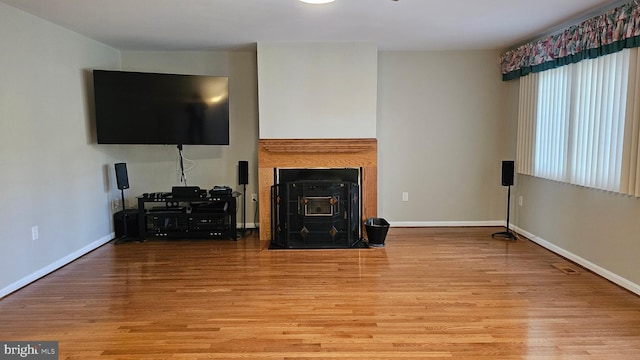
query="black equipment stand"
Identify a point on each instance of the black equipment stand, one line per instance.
(125, 236)
(506, 234)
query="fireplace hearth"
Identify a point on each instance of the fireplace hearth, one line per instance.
(316, 208)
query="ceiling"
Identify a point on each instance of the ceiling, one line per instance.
(197, 25)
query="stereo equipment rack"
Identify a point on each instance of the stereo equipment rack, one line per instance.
(192, 213)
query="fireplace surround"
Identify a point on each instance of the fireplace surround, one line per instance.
(316, 153)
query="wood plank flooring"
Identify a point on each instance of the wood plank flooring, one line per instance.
(431, 293)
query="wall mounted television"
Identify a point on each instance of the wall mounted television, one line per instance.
(152, 108)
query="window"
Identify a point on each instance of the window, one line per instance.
(579, 124)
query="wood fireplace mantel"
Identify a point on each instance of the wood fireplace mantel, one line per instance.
(316, 153)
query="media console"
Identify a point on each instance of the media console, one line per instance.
(188, 212)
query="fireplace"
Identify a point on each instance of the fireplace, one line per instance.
(316, 208)
(274, 154)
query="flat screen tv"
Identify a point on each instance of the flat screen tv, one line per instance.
(150, 108)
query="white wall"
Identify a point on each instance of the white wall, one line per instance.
(317, 90)
(53, 175)
(442, 130)
(154, 168)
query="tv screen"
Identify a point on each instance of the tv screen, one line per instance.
(150, 108)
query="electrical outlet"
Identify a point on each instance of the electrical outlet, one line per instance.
(34, 233)
(520, 200)
(405, 196)
(116, 205)
(254, 197)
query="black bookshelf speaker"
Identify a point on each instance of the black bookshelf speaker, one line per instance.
(122, 179)
(507, 172)
(243, 172)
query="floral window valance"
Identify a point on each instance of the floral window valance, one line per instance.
(610, 32)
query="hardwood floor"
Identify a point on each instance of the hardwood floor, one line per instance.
(428, 294)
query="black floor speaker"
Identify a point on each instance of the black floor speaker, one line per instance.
(132, 223)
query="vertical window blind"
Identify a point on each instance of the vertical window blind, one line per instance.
(552, 124)
(579, 124)
(630, 181)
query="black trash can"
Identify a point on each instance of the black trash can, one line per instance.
(377, 229)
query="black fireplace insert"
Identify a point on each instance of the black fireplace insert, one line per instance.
(311, 210)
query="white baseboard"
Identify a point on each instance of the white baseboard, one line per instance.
(55, 266)
(614, 278)
(445, 223)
